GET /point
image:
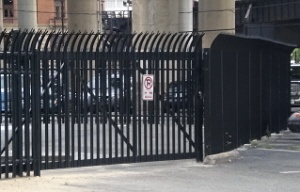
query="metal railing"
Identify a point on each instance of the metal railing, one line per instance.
(76, 99)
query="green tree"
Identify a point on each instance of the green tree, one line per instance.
(296, 55)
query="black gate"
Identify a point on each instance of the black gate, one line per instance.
(92, 99)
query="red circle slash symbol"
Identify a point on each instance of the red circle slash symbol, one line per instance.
(148, 83)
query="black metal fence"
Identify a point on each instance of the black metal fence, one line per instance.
(247, 91)
(70, 100)
(75, 99)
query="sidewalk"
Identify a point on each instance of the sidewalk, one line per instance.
(268, 165)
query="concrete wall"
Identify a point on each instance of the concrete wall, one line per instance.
(216, 16)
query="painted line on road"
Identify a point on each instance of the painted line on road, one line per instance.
(290, 172)
(280, 150)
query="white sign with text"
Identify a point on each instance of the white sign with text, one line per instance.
(148, 87)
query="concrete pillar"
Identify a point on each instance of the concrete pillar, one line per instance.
(1, 26)
(185, 16)
(216, 16)
(82, 15)
(1, 16)
(155, 15)
(27, 14)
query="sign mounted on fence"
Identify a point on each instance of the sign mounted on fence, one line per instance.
(147, 87)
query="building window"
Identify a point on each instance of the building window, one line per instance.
(8, 13)
(58, 8)
(7, 2)
(57, 12)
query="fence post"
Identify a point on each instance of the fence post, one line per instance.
(198, 78)
(36, 116)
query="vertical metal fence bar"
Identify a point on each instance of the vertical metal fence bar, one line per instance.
(75, 47)
(6, 81)
(145, 105)
(98, 70)
(107, 84)
(128, 94)
(180, 102)
(81, 95)
(87, 72)
(186, 114)
(155, 104)
(189, 108)
(171, 107)
(1, 135)
(138, 65)
(103, 71)
(88, 47)
(137, 128)
(150, 109)
(91, 74)
(131, 46)
(36, 125)
(14, 110)
(119, 106)
(168, 99)
(43, 55)
(20, 102)
(90, 64)
(116, 72)
(73, 111)
(27, 107)
(50, 127)
(127, 68)
(56, 130)
(82, 58)
(184, 103)
(161, 96)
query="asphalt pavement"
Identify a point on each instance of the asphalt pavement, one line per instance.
(271, 164)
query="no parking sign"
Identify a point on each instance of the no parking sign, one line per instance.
(147, 87)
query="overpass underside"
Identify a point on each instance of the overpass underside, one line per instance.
(284, 31)
(277, 20)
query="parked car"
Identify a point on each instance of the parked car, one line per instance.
(50, 92)
(114, 94)
(179, 96)
(294, 122)
(295, 71)
(295, 93)
(6, 92)
(295, 84)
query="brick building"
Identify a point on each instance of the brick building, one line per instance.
(46, 14)
(51, 14)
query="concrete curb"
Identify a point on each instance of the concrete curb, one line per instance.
(221, 157)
